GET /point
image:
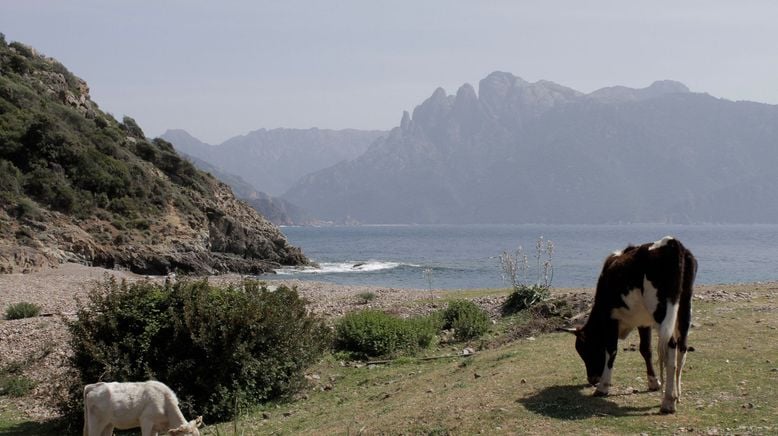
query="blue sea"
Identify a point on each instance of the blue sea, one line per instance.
(465, 257)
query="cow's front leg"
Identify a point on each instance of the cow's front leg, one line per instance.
(645, 351)
(605, 381)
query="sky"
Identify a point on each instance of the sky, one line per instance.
(219, 69)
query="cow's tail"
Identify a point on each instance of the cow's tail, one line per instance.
(685, 303)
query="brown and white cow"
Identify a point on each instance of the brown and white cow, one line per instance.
(644, 287)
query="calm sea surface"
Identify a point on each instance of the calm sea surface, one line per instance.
(467, 256)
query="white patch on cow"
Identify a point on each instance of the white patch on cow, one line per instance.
(667, 327)
(660, 243)
(605, 381)
(617, 253)
(667, 357)
(639, 311)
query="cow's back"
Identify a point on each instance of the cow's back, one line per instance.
(123, 404)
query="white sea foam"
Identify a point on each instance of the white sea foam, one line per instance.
(343, 267)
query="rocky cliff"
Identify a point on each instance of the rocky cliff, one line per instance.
(78, 185)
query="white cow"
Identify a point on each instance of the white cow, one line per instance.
(150, 405)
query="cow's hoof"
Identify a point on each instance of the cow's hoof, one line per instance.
(668, 407)
(598, 393)
(653, 384)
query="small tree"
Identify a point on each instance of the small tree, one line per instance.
(529, 285)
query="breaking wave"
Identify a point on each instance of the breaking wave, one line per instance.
(344, 267)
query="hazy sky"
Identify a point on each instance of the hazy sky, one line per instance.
(223, 68)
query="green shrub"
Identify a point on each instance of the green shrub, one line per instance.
(15, 385)
(10, 178)
(220, 349)
(53, 189)
(26, 208)
(22, 310)
(366, 297)
(524, 297)
(132, 128)
(466, 319)
(375, 333)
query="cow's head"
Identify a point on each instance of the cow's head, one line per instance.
(188, 429)
(592, 352)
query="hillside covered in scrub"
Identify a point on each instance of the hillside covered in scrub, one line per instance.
(77, 185)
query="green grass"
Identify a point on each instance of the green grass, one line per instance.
(537, 387)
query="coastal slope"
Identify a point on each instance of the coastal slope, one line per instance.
(77, 185)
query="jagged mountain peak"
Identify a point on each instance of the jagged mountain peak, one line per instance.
(522, 152)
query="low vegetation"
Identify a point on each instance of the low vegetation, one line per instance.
(12, 382)
(366, 297)
(22, 310)
(372, 333)
(529, 284)
(466, 319)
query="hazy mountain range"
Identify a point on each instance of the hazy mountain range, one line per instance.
(520, 152)
(277, 210)
(273, 160)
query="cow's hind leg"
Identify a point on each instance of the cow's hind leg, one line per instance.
(684, 323)
(645, 351)
(667, 352)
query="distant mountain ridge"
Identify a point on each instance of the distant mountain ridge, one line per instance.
(273, 160)
(521, 152)
(277, 210)
(76, 185)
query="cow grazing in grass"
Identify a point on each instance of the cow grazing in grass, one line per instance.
(645, 286)
(150, 405)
